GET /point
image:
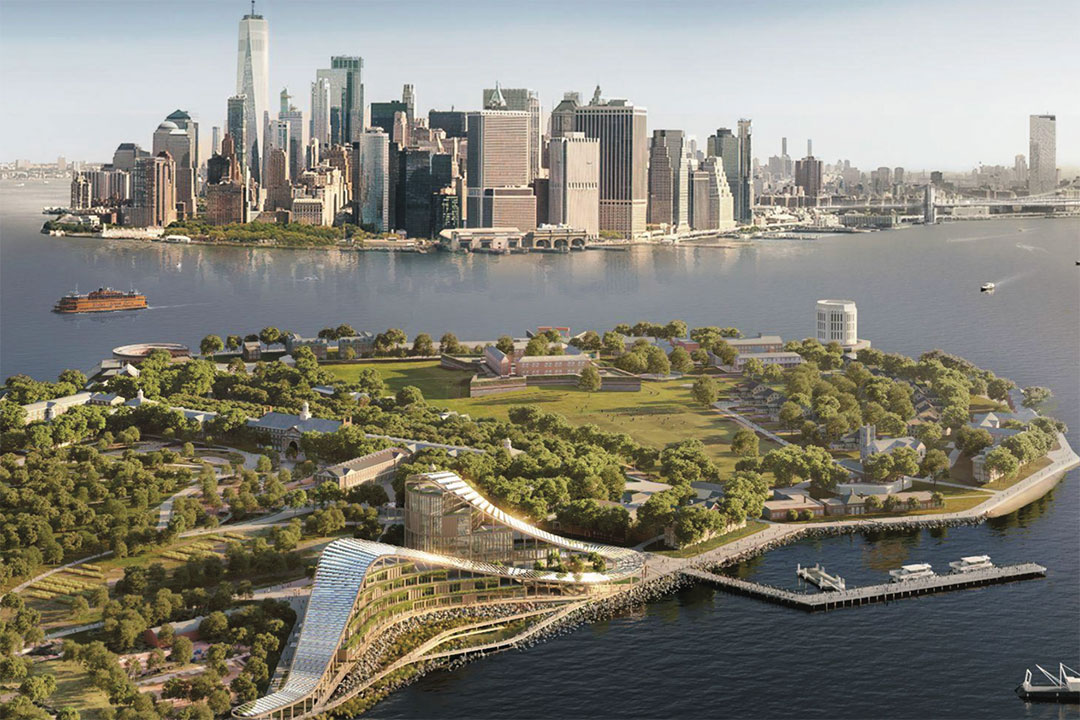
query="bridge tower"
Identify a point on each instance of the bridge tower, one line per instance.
(929, 211)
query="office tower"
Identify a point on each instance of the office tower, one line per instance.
(126, 156)
(408, 96)
(278, 189)
(350, 77)
(153, 191)
(574, 182)
(808, 176)
(236, 126)
(734, 151)
(898, 175)
(296, 145)
(711, 205)
(253, 82)
(446, 211)
(1042, 154)
(837, 320)
(562, 117)
(937, 178)
(624, 155)
(418, 189)
(181, 143)
(519, 100)
(668, 191)
(498, 157)
(320, 111)
(215, 140)
(371, 198)
(81, 192)
(382, 114)
(453, 122)
(1020, 169)
(400, 129)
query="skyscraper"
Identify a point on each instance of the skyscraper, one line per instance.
(382, 114)
(236, 126)
(498, 158)
(621, 129)
(408, 96)
(519, 100)
(296, 149)
(1042, 154)
(215, 140)
(253, 82)
(668, 191)
(808, 176)
(153, 192)
(735, 153)
(371, 191)
(574, 184)
(320, 111)
(181, 143)
(351, 77)
(562, 117)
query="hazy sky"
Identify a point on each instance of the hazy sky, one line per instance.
(942, 85)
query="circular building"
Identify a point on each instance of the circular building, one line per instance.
(139, 351)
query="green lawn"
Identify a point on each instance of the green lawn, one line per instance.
(946, 490)
(73, 688)
(980, 404)
(434, 382)
(1023, 473)
(751, 527)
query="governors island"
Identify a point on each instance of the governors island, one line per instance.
(281, 525)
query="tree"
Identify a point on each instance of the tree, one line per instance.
(233, 342)
(873, 503)
(269, 335)
(449, 344)
(772, 373)
(878, 467)
(590, 380)
(934, 464)
(753, 368)
(1000, 461)
(181, 649)
(613, 344)
(791, 415)
(214, 627)
(930, 433)
(972, 441)
(505, 344)
(705, 390)
(422, 345)
(211, 344)
(998, 388)
(905, 461)
(1035, 395)
(537, 345)
(680, 360)
(745, 443)
(67, 713)
(38, 687)
(409, 395)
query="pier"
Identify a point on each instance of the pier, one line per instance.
(817, 576)
(885, 592)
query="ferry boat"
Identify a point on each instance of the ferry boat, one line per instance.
(100, 300)
(911, 572)
(1063, 688)
(970, 563)
(987, 287)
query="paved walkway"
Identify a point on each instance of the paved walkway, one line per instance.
(165, 513)
(60, 568)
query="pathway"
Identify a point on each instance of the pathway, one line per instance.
(60, 568)
(165, 514)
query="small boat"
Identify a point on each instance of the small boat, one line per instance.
(988, 287)
(912, 572)
(1063, 688)
(971, 563)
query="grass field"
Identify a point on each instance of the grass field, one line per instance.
(73, 688)
(980, 404)
(662, 413)
(1023, 473)
(751, 527)
(947, 490)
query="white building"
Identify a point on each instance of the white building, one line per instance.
(373, 178)
(253, 79)
(837, 320)
(1042, 154)
(574, 187)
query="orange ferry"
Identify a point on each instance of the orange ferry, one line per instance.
(100, 300)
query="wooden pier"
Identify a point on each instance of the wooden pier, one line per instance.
(886, 592)
(817, 576)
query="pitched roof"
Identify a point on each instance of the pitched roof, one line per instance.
(287, 421)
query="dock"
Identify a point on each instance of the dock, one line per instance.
(887, 592)
(817, 576)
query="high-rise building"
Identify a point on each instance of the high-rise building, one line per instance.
(81, 192)
(296, 148)
(712, 206)
(253, 82)
(371, 190)
(408, 96)
(278, 189)
(519, 100)
(898, 175)
(624, 154)
(453, 122)
(1020, 169)
(215, 140)
(236, 126)
(350, 77)
(668, 190)
(320, 111)
(808, 176)
(153, 192)
(498, 157)
(562, 117)
(126, 155)
(574, 182)
(382, 114)
(1042, 154)
(181, 143)
(735, 152)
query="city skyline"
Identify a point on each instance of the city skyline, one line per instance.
(846, 121)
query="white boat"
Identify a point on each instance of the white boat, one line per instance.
(912, 572)
(988, 287)
(1062, 688)
(970, 563)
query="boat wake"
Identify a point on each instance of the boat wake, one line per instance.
(178, 305)
(974, 238)
(1031, 248)
(998, 284)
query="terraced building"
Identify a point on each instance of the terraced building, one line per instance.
(485, 558)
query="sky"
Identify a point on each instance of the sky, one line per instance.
(919, 84)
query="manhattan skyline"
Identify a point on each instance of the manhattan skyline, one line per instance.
(922, 86)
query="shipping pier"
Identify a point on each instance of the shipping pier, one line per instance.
(886, 592)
